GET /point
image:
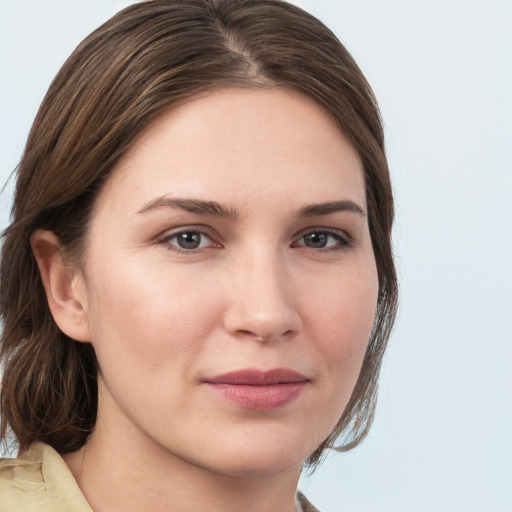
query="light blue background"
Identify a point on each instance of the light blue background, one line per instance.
(442, 70)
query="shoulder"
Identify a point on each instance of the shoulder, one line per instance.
(39, 481)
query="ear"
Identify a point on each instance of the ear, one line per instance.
(64, 286)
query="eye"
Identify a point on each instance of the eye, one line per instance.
(188, 240)
(321, 239)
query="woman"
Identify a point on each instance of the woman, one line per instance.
(197, 285)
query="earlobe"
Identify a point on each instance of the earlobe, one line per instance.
(63, 286)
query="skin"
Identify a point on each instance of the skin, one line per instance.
(267, 287)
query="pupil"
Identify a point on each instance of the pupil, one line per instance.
(317, 240)
(189, 240)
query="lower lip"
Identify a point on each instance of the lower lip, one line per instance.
(259, 398)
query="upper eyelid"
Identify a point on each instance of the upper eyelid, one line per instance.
(172, 235)
(318, 229)
(204, 230)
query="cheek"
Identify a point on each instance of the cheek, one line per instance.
(343, 317)
(153, 316)
(346, 305)
(338, 319)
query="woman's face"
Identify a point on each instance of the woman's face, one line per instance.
(229, 283)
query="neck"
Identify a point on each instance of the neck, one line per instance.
(128, 472)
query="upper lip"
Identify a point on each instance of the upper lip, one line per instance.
(253, 377)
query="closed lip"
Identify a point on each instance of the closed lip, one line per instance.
(253, 377)
(258, 390)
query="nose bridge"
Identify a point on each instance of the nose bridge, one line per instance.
(262, 302)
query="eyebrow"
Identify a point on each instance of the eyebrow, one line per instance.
(196, 206)
(215, 209)
(316, 210)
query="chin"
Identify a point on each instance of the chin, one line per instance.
(258, 465)
(259, 457)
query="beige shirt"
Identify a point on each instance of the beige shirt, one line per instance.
(40, 481)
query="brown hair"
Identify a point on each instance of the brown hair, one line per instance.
(149, 56)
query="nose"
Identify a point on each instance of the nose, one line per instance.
(262, 303)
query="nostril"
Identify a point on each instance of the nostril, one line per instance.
(262, 338)
(248, 334)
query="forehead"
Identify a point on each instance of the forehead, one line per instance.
(241, 144)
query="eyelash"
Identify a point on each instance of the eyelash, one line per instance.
(343, 241)
(166, 239)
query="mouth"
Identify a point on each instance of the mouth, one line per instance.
(259, 390)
